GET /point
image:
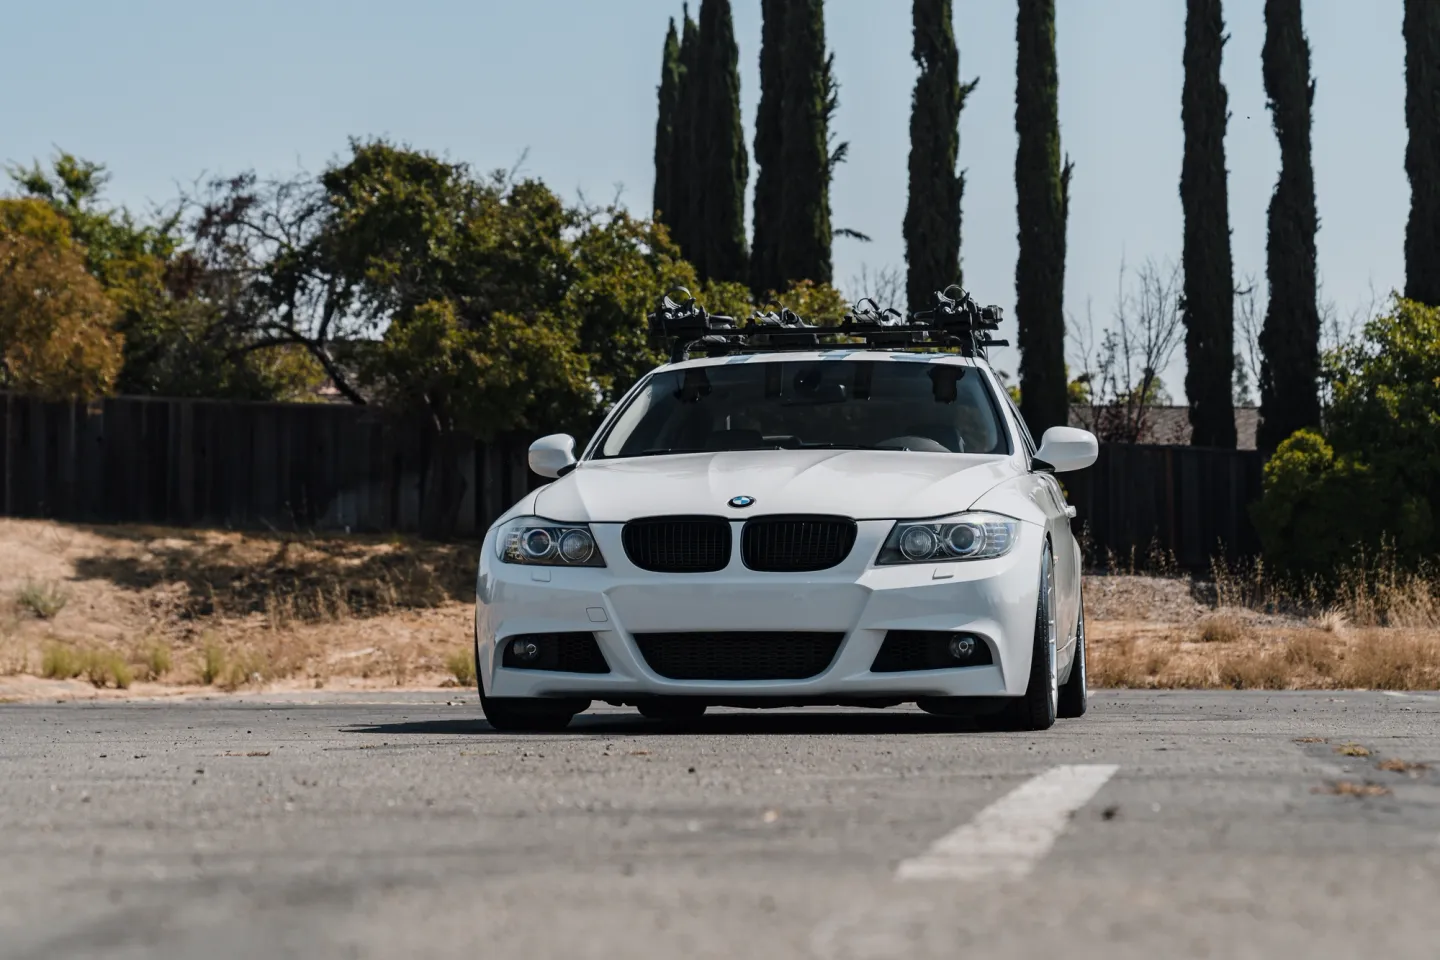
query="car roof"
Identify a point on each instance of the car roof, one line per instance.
(838, 353)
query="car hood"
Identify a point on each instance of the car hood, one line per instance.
(863, 484)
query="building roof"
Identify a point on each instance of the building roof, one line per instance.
(1170, 426)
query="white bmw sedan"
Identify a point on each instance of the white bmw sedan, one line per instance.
(839, 526)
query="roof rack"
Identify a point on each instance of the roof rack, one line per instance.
(955, 321)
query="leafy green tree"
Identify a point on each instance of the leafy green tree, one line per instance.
(1042, 187)
(669, 97)
(1209, 274)
(932, 216)
(722, 164)
(806, 163)
(57, 336)
(1422, 152)
(480, 305)
(765, 273)
(1374, 475)
(1290, 338)
(184, 326)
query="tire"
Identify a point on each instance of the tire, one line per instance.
(1037, 709)
(525, 714)
(672, 708)
(1075, 695)
(529, 714)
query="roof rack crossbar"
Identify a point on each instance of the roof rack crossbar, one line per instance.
(954, 322)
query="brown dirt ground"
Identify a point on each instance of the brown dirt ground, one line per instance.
(193, 612)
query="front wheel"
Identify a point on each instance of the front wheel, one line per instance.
(525, 714)
(1037, 709)
(529, 714)
(1074, 695)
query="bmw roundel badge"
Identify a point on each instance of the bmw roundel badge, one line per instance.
(742, 501)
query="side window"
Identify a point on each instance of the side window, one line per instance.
(1025, 437)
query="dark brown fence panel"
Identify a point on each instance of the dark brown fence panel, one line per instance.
(242, 465)
(1192, 502)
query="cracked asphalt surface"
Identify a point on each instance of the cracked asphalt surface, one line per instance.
(329, 825)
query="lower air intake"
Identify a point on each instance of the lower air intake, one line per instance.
(560, 652)
(739, 656)
(930, 650)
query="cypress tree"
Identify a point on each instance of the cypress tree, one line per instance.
(1042, 188)
(722, 164)
(932, 217)
(684, 181)
(669, 97)
(808, 99)
(765, 276)
(1422, 153)
(1209, 278)
(1290, 338)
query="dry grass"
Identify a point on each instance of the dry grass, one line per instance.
(1220, 627)
(123, 605)
(1276, 656)
(1376, 627)
(224, 610)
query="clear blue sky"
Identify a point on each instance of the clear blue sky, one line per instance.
(164, 90)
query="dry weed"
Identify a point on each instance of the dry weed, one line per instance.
(157, 661)
(1314, 649)
(461, 665)
(1349, 788)
(1402, 766)
(1389, 660)
(1332, 620)
(1220, 627)
(212, 664)
(44, 600)
(1352, 750)
(59, 661)
(105, 668)
(1254, 670)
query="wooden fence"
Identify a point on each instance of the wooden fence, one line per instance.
(336, 467)
(243, 465)
(1192, 502)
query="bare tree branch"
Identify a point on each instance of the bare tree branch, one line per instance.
(1122, 371)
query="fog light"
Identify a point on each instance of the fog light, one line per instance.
(962, 648)
(527, 650)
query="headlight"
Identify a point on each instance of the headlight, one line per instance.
(534, 540)
(966, 536)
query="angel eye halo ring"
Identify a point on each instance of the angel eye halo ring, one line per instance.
(536, 541)
(964, 536)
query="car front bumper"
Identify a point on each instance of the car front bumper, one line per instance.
(994, 599)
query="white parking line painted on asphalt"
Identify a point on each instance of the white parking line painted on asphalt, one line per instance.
(1009, 837)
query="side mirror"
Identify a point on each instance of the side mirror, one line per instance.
(1066, 448)
(552, 456)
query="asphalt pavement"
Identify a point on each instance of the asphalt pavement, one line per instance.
(1163, 824)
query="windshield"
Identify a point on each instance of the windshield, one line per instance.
(810, 404)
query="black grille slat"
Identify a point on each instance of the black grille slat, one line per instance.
(678, 544)
(767, 655)
(796, 544)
